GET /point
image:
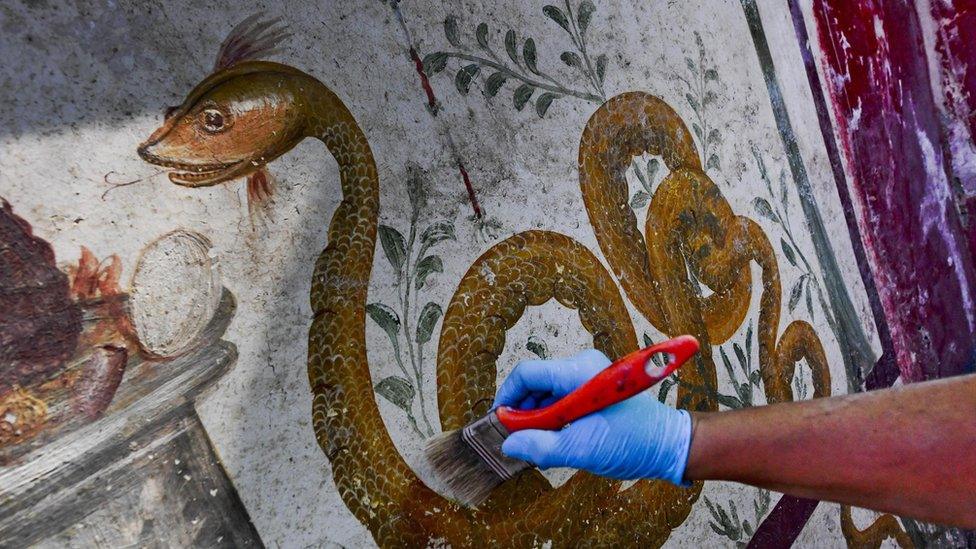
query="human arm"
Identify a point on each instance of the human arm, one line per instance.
(910, 450)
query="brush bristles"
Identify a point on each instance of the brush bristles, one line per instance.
(468, 478)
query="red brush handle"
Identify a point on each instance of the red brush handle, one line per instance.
(618, 382)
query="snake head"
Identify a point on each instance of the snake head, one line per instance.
(230, 125)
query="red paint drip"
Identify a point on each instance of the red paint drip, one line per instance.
(425, 82)
(470, 188)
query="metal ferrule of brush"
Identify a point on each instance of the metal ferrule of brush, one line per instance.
(485, 437)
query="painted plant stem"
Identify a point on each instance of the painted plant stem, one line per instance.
(778, 211)
(413, 268)
(415, 357)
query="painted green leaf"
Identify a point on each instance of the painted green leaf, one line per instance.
(710, 98)
(711, 74)
(755, 378)
(795, 294)
(522, 95)
(571, 59)
(714, 137)
(643, 179)
(747, 528)
(691, 64)
(727, 363)
(788, 251)
(542, 103)
(810, 303)
(425, 324)
(426, 267)
(639, 200)
(510, 46)
(463, 78)
(601, 67)
(729, 402)
(666, 384)
(494, 83)
(657, 359)
(653, 165)
(481, 34)
(744, 390)
(397, 390)
(741, 355)
(764, 500)
(437, 232)
(698, 132)
(762, 207)
(416, 187)
(711, 509)
(749, 340)
(434, 62)
(784, 195)
(386, 318)
(529, 54)
(712, 163)
(394, 246)
(701, 44)
(693, 102)
(586, 10)
(451, 31)
(734, 520)
(537, 347)
(556, 15)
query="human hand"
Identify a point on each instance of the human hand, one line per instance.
(636, 438)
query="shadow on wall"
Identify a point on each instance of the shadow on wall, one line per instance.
(85, 74)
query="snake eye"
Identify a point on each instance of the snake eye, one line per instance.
(213, 121)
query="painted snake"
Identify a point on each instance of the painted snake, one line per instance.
(249, 112)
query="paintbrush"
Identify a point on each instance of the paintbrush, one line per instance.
(470, 461)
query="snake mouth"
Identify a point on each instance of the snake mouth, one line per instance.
(188, 174)
(201, 176)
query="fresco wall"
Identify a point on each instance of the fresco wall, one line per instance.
(253, 256)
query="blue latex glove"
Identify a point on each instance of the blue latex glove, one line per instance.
(633, 439)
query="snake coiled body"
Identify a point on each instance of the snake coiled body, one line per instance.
(690, 226)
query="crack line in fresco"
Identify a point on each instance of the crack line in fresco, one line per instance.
(487, 227)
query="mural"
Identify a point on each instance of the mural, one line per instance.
(249, 112)
(513, 181)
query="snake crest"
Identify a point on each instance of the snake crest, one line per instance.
(250, 112)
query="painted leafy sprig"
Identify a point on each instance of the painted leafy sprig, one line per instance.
(744, 387)
(413, 271)
(521, 62)
(647, 178)
(701, 85)
(777, 211)
(726, 522)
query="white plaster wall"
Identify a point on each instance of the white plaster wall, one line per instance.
(82, 83)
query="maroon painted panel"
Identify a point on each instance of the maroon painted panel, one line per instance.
(877, 78)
